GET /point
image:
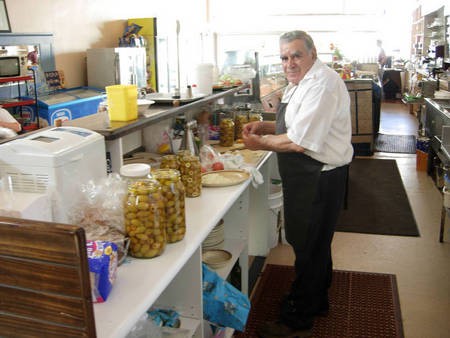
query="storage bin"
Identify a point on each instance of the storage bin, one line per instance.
(421, 160)
(276, 214)
(122, 102)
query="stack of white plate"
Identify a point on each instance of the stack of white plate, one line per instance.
(215, 238)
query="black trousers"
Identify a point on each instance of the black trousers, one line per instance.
(313, 261)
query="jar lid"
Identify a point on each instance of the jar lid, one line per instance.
(135, 170)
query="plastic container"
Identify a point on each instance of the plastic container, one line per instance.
(144, 212)
(173, 192)
(122, 102)
(203, 78)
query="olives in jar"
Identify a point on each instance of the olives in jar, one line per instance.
(191, 175)
(173, 191)
(255, 116)
(145, 218)
(226, 133)
(239, 121)
(169, 162)
(144, 211)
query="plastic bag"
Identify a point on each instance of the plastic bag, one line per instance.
(145, 328)
(98, 208)
(223, 304)
(210, 159)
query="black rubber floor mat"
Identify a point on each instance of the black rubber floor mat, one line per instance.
(362, 304)
(405, 144)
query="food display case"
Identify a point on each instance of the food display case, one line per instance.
(265, 87)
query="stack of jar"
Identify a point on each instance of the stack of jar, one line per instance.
(154, 209)
(189, 167)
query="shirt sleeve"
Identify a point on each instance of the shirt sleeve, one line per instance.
(313, 117)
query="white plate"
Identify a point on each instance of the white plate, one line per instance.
(216, 258)
(224, 178)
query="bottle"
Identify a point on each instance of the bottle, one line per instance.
(173, 192)
(144, 212)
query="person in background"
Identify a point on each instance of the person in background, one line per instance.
(312, 139)
(382, 59)
(9, 127)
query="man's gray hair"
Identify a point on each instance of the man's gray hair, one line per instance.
(298, 35)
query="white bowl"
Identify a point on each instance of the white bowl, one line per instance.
(143, 104)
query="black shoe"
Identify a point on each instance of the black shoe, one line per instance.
(278, 329)
(324, 308)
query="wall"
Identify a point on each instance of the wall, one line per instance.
(81, 24)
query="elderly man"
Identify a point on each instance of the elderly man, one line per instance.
(312, 139)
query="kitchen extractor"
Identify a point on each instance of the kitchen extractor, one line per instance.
(54, 161)
(113, 66)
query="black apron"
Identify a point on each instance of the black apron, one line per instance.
(300, 176)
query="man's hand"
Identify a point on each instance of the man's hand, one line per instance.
(278, 143)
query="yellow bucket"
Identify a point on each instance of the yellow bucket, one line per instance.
(122, 102)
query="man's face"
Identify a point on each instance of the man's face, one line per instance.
(296, 59)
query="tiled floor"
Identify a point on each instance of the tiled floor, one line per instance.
(421, 264)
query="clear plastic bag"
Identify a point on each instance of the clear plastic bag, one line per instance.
(208, 157)
(98, 208)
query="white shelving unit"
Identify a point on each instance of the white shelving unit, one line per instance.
(174, 279)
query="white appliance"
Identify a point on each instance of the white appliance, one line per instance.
(54, 161)
(112, 66)
(26, 205)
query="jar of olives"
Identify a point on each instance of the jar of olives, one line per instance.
(173, 192)
(240, 119)
(191, 175)
(255, 116)
(144, 212)
(169, 162)
(226, 133)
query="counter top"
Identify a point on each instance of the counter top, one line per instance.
(140, 282)
(159, 112)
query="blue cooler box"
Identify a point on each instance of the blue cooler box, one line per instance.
(69, 104)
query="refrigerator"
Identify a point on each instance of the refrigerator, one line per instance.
(112, 66)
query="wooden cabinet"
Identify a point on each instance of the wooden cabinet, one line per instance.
(363, 122)
(20, 100)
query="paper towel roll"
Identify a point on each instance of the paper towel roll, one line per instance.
(203, 78)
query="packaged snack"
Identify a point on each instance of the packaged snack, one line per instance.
(102, 259)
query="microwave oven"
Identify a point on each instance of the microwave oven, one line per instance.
(13, 65)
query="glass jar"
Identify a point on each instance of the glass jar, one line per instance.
(173, 192)
(169, 162)
(240, 119)
(255, 116)
(191, 175)
(144, 212)
(226, 133)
